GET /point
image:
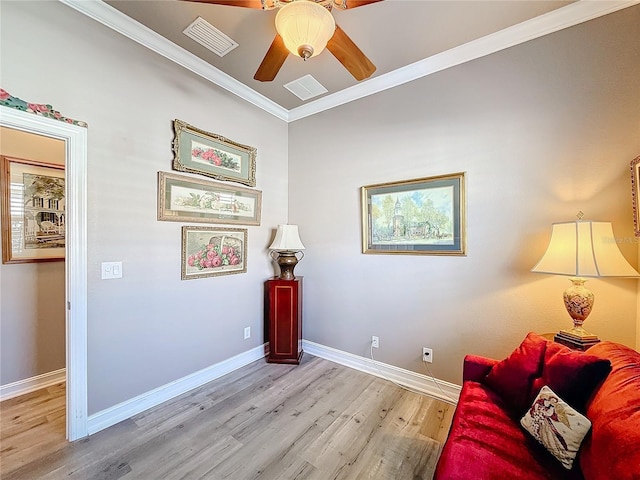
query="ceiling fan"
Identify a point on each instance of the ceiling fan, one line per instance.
(304, 28)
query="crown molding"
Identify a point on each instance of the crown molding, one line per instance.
(565, 17)
(115, 20)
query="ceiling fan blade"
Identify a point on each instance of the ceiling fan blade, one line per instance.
(272, 61)
(355, 3)
(232, 3)
(350, 56)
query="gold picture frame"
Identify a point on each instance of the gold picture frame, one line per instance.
(187, 199)
(211, 251)
(424, 216)
(33, 211)
(212, 155)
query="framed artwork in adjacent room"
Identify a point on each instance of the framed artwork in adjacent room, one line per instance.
(187, 199)
(32, 196)
(422, 216)
(215, 156)
(211, 251)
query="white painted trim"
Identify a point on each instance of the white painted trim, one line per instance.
(129, 408)
(559, 19)
(32, 384)
(130, 28)
(75, 139)
(445, 391)
(565, 17)
(152, 398)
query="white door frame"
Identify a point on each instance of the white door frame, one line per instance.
(75, 139)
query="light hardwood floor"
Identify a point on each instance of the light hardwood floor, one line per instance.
(315, 421)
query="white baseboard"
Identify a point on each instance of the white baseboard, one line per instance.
(32, 384)
(122, 411)
(445, 391)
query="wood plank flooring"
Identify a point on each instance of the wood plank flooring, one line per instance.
(31, 426)
(315, 421)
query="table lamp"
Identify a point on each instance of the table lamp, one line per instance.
(582, 249)
(286, 245)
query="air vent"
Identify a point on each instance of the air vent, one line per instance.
(306, 87)
(209, 37)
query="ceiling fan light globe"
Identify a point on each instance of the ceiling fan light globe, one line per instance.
(305, 26)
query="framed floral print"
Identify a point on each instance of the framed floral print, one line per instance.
(211, 251)
(187, 199)
(215, 156)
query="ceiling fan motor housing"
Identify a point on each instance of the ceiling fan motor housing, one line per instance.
(305, 27)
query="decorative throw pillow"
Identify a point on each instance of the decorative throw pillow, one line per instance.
(557, 426)
(571, 374)
(512, 378)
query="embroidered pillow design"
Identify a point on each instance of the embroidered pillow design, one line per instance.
(557, 426)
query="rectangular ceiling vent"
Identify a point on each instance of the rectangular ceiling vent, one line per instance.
(209, 37)
(306, 87)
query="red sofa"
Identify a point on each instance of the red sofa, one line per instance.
(487, 442)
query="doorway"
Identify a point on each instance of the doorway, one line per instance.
(75, 139)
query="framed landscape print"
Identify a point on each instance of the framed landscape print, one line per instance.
(422, 216)
(186, 199)
(210, 251)
(33, 211)
(197, 151)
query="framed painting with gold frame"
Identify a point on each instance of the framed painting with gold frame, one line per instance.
(187, 199)
(424, 216)
(211, 251)
(33, 210)
(212, 155)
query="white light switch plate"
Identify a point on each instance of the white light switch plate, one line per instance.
(111, 270)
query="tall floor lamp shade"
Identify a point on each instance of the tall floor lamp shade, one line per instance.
(582, 249)
(286, 245)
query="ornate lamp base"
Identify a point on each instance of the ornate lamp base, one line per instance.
(578, 300)
(287, 261)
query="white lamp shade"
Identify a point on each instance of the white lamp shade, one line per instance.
(305, 22)
(287, 239)
(584, 249)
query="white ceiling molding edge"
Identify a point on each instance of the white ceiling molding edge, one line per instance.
(115, 20)
(565, 17)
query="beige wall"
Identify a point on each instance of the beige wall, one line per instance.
(542, 130)
(32, 315)
(148, 328)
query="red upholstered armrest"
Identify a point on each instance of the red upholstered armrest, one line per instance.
(475, 368)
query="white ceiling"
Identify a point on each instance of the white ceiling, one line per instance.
(405, 39)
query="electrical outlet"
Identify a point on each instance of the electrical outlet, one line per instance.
(375, 342)
(427, 355)
(247, 332)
